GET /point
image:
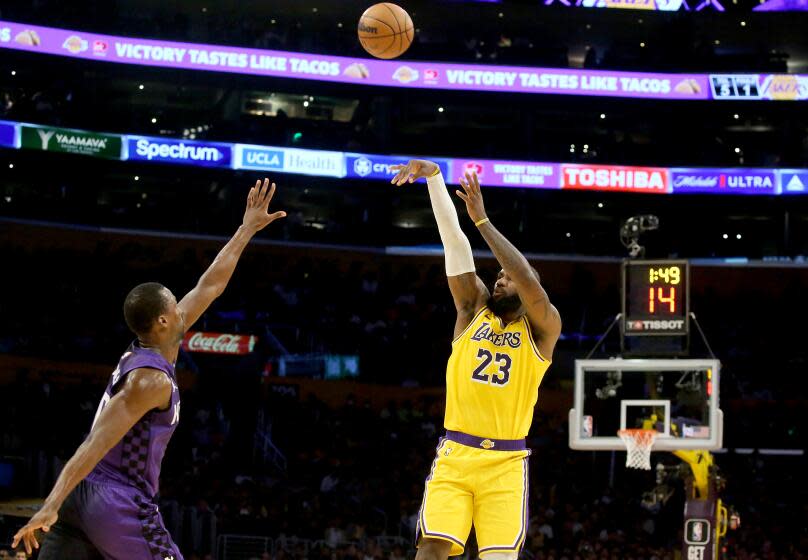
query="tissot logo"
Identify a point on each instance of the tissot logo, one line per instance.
(655, 325)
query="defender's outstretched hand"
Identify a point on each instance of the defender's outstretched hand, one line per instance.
(256, 216)
(472, 196)
(415, 169)
(43, 520)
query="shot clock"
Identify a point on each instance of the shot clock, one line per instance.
(655, 298)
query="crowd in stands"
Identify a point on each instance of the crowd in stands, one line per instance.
(355, 475)
(368, 305)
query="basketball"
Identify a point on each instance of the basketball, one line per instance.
(385, 30)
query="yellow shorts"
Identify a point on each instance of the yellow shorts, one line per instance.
(468, 486)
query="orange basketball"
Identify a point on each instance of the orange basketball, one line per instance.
(385, 30)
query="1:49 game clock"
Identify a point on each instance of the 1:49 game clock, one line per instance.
(656, 298)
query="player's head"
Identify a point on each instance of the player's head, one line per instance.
(504, 298)
(21, 555)
(151, 312)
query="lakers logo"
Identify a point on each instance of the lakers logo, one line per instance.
(485, 332)
(785, 87)
(487, 444)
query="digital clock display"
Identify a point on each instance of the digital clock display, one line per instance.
(655, 298)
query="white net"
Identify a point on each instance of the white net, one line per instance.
(638, 447)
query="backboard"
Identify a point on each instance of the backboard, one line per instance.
(677, 398)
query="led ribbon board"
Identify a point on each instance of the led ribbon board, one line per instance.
(322, 163)
(401, 74)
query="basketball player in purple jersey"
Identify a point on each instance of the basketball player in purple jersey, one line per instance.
(104, 499)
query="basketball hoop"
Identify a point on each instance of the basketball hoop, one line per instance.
(638, 447)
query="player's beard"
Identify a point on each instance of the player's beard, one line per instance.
(504, 305)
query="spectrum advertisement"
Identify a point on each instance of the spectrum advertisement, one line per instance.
(188, 152)
(372, 72)
(492, 173)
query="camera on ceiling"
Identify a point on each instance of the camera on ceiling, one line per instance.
(632, 229)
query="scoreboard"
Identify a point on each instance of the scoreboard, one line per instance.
(656, 298)
(735, 86)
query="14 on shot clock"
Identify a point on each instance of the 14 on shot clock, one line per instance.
(656, 298)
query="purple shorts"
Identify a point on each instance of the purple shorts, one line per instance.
(118, 522)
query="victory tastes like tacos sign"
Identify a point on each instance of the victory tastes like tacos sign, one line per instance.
(71, 141)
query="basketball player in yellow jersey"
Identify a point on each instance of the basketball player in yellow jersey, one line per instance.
(503, 344)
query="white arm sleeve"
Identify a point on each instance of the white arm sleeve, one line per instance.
(456, 246)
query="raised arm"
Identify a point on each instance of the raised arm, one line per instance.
(468, 291)
(213, 282)
(144, 390)
(544, 318)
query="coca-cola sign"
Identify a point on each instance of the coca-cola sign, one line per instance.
(219, 343)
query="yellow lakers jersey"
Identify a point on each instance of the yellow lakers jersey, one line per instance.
(493, 377)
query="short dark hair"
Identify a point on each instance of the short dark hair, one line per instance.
(143, 305)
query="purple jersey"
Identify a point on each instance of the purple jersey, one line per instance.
(135, 460)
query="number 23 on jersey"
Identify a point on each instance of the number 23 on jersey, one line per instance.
(497, 376)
